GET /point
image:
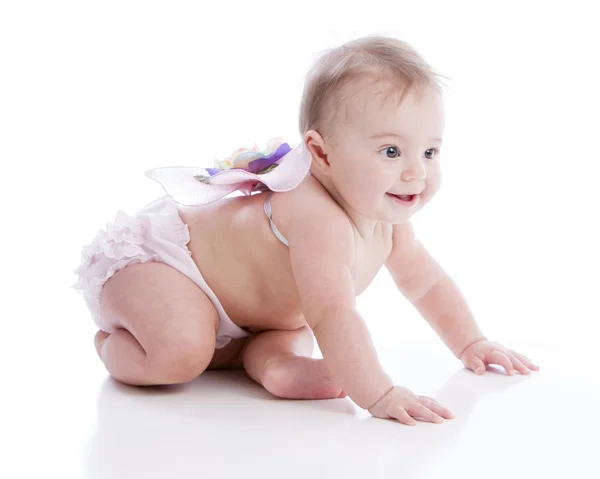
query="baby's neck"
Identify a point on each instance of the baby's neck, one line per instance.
(367, 228)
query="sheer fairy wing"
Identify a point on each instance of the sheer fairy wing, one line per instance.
(191, 186)
(182, 185)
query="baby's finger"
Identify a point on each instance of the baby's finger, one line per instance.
(402, 416)
(525, 360)
(475, 364)
(423, 412)
(436, 407)
(496, 357)
(518, 365)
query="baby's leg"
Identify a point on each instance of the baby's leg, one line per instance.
(164, 326)
(281, 362)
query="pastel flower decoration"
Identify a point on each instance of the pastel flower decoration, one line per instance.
(252, 160)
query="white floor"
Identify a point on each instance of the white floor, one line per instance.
(95, 93)
(69, 418)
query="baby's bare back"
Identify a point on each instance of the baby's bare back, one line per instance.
(249, 269)
(243, 263)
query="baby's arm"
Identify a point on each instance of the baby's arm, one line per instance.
(432, 291)
(322, 252)
(439, 300)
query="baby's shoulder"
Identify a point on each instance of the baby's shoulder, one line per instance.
(311, 199)
(309, 208)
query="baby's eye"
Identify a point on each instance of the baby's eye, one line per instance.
(391, 152)
(431, 153)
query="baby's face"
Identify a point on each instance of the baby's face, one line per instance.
(385, 159)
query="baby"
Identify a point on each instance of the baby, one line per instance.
(197, 281)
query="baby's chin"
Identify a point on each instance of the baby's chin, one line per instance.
(391, 217)
(399, 219)
(400, 210)
(387, 210)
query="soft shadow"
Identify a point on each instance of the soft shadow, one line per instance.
(224, 423)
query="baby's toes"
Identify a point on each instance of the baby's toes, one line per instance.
(99, 339)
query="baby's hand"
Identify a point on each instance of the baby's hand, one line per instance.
(401, 404)
(481, 353)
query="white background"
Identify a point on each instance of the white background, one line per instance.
(92, 94)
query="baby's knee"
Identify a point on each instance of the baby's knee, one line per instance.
(277, 379)
(179, 362)
(168, 361)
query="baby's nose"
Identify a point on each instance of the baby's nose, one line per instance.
(415, 171)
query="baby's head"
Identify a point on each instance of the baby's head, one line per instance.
(372, 117)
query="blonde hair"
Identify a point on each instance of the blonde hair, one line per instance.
(384, 57)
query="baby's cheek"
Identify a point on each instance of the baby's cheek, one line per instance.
(434, 180)
(354, 179)
(434, 188)
(430, 191)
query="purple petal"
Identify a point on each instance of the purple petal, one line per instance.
(213, 171)
(260, 164)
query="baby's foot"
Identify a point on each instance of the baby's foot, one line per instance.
(99, 339)
(299, 377)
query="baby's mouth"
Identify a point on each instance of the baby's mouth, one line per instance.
(404, 198)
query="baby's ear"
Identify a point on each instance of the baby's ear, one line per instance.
(317, 147)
